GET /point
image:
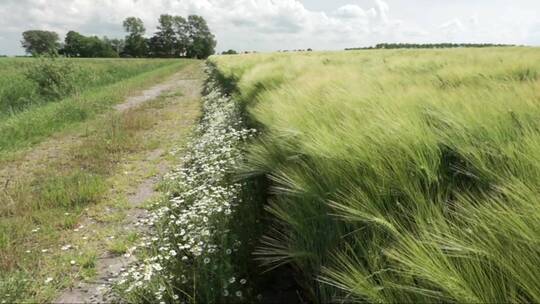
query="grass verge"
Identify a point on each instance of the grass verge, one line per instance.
(26, 128)
(59, 214)
(197, 252)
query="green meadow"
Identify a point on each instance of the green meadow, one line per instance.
(398, 175)
(61, 146)
(41, 96)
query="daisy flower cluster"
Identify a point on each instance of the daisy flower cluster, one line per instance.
(192, 247)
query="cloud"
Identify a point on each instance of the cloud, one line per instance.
(533, 35)
(451, 28)
(266, 24)
(268, 20)
(382, 10)
(474, 20)
(350, 11)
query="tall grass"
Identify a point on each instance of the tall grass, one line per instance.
(38, 209)
(43, 198)
(399, 176)
(22, 78)
(95, 85)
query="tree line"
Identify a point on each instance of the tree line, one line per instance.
(176, 36)
(428, 46)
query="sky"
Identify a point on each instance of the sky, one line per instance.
(270, 25)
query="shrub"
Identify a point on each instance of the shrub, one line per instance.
(55, 77)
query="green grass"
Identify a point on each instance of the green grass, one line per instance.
(19, 90)
(52, 200)
(399, 176)
(51, 189)
(121, 245)
(97, 84)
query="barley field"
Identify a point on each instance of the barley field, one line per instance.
(397, 175)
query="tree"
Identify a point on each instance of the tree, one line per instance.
(136, 45)
(181, 29)
(201, 41)
(164, 43)
(229, 52)
(171, 39)
(77, 45)
(155, 46)
(96, 47)
(73, 44)
(38, 42)
(117, 45)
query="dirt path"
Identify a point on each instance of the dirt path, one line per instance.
(181, 87)
(54, 148)
(109, 265)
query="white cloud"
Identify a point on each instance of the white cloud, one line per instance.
(382, 10)
(474, 20)
(275, 24)
(533, 35)
(452, 27)
(350, 11)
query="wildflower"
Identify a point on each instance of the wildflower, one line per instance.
(48, 280)
(190, 216)
(72, 262)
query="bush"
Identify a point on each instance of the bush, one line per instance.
(55, 77)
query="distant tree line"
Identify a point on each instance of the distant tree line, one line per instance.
(234, 52)
(296, 50)
(428, 46)
(229, 52)
(176, 36)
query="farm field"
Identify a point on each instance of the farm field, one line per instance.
(397, 175)
(77, 167)
(364, 176)
(270, 151)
